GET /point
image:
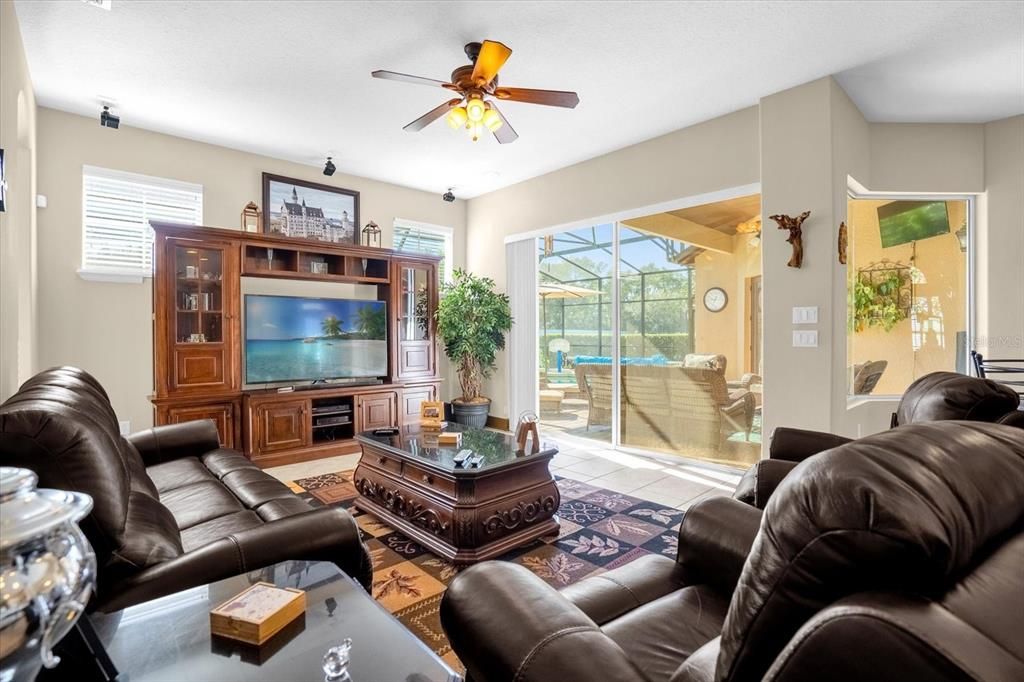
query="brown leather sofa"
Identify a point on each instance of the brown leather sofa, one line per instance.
(939, 396)
(171, 508)
(895, 557)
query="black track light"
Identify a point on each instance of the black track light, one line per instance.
(448, 196)
(109, 120)
(329, 167)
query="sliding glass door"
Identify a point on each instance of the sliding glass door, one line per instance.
(650, 332)
(575, 271)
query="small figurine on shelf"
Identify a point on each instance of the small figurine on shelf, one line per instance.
(371, 235)
(526, 429)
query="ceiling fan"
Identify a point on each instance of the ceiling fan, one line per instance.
(477, 87)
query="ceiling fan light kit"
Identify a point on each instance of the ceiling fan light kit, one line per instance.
(475, 83)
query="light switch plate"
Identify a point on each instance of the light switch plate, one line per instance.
(805, 338)
(125, 426)
(41, 201)
(805, 314)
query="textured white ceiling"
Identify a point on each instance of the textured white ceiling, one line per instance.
(292, 79)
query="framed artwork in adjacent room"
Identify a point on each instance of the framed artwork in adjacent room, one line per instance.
(309, 210)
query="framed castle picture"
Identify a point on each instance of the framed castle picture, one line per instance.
(309, 210)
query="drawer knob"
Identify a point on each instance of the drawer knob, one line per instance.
(427, 478)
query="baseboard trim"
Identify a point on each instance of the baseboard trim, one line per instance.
(500, 423)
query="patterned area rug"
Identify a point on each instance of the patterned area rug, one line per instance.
(600, 530)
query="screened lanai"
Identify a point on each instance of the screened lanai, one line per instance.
(674, 347)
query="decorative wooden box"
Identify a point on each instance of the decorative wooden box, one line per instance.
(258, 613)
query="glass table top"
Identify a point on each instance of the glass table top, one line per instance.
(498, 449)
(169, 638)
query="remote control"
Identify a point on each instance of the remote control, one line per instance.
(390, 431)
(461, 457)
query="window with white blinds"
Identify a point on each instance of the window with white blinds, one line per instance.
(434, 240)
(117, 241)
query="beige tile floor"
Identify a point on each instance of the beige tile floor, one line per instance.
(676, 484)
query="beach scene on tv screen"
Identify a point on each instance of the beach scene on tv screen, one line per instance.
(303, 339)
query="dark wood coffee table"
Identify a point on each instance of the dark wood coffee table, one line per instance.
(464, 515)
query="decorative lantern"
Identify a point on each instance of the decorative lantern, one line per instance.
(371, 235)
(251, 217)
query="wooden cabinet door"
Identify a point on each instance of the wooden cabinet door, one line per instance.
(410, 401)
(415, 300)
(282, 426)
(376, 411)
(196, 317)
(222, 414)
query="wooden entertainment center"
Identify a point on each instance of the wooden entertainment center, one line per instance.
(198, 341)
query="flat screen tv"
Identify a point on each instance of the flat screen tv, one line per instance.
(901, 222)
(289, 338)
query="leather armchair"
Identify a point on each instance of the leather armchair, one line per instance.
(171, 508)
(893, 557)
(939, 396)
(505, 623)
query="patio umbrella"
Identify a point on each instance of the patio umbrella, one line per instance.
(552, 290)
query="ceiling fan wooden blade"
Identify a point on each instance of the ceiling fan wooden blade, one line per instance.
(415, 80)
(506, 133)
(492, 57)
(551, 98)
(431, 116)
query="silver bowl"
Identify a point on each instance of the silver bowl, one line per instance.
(47, 571)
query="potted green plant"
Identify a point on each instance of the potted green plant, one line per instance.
(472, 320)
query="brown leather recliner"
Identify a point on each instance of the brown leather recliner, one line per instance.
(939, 396)
(895, 557)
(171, 508)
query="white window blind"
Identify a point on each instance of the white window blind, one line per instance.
(117, 240)
(433, 240)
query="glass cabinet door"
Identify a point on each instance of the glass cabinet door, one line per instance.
(415, 300)
(199, 295)
(415, 303)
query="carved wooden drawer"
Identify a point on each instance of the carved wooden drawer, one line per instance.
(517, 513)
(430, 480)
(391, 464)
(419, 511)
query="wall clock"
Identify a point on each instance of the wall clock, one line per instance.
(715, 299)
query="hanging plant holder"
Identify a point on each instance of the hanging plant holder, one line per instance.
(882, 295)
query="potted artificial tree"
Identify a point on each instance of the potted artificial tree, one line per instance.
(472, 320)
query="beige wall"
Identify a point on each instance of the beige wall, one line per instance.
(106, 327)
(710, 156)
(1000, 242)
(808, 141)
(797, 176)
(725, 332)
(943, 298)
(18, 275)
(927, 157)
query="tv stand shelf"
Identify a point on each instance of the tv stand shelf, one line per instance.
(198, 342)
(312, 262)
